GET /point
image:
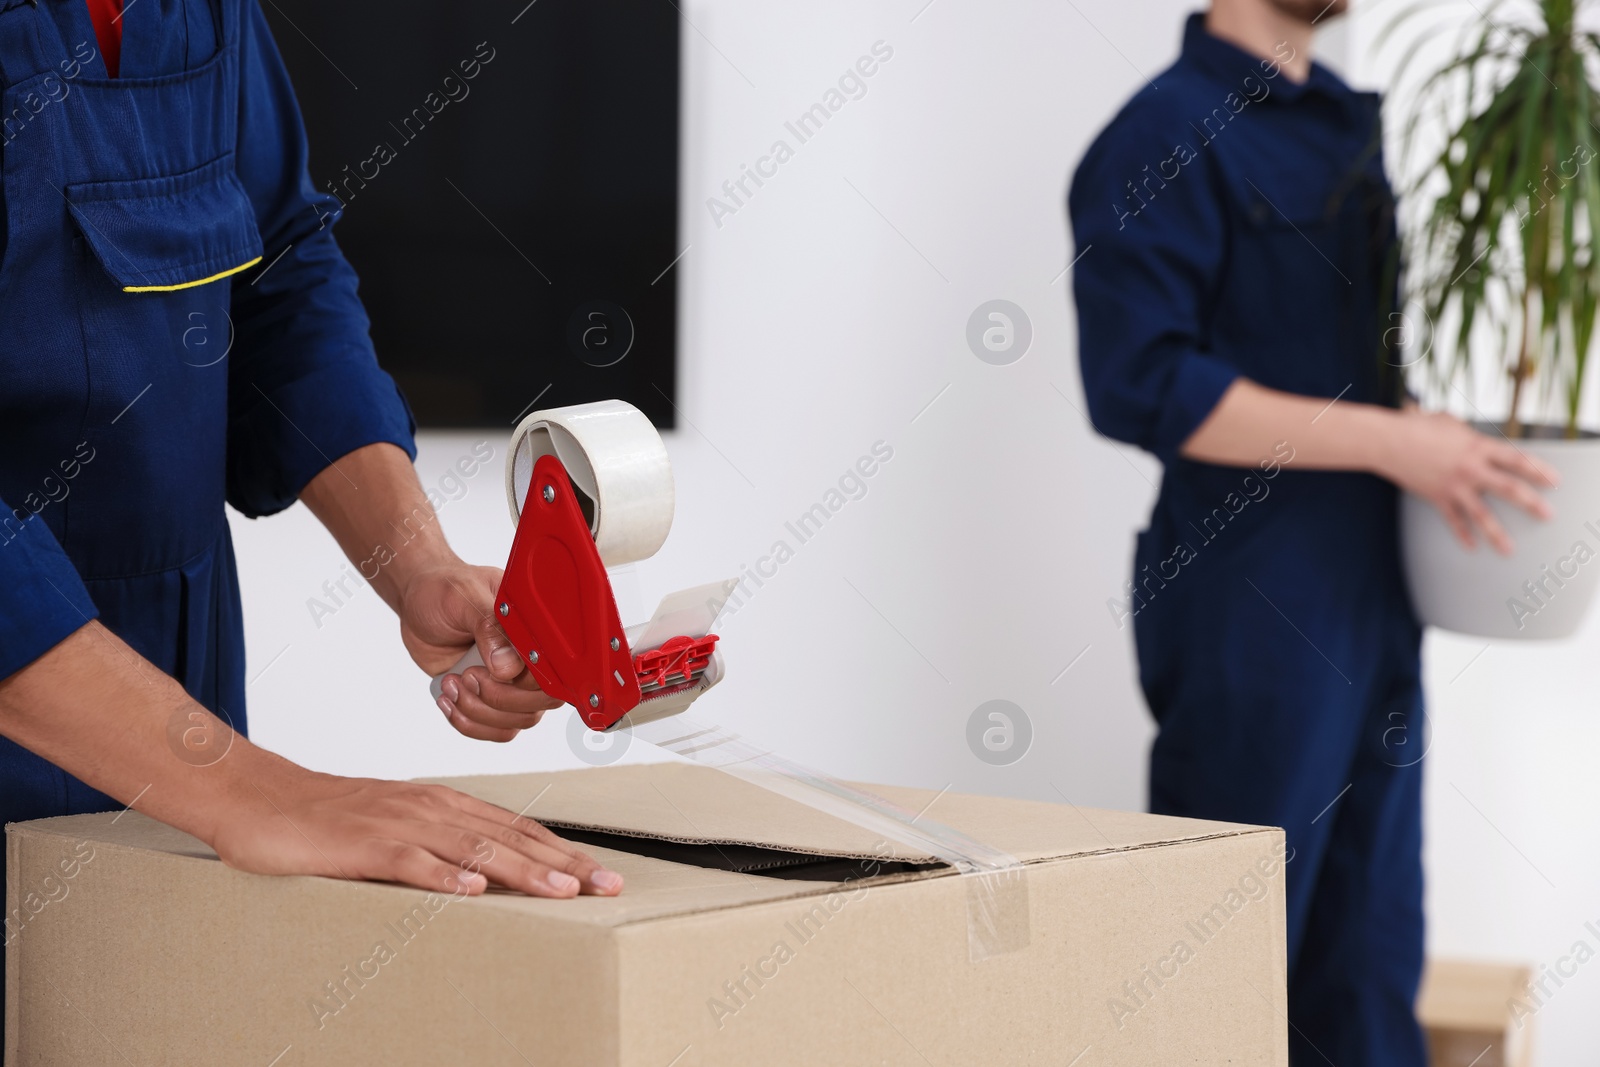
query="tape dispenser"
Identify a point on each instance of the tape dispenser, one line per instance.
(590, 487)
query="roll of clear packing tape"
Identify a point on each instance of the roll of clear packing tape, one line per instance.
(618, 464)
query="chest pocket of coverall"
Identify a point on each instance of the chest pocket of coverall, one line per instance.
(1291, 256)
(185, 219)
(1292, 239)
(168, 233)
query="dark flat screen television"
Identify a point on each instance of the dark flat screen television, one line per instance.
(509, 175)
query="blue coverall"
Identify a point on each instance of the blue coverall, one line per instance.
(177, 329)
(1230, 223)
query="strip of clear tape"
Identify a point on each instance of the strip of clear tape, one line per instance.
(997, 887)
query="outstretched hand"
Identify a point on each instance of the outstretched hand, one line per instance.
(93, 706)
(301, 822)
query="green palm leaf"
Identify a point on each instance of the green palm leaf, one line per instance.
(1503, 249)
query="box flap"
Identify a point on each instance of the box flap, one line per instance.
(693, 803)
(687, 802)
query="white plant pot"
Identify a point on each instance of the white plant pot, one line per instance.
(1544, 588)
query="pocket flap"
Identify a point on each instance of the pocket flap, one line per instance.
(173, 232)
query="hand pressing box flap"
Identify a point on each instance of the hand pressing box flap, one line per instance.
(753, 931)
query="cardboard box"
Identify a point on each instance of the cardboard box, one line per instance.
(1145, 940)
(1469, 1014)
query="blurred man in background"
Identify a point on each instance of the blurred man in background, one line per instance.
(1234, 292)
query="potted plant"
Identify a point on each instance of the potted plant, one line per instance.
(1503, 264)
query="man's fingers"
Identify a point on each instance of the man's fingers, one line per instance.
(475, 730)
(502, 660)
(452, 847)
(393, 860)
(542, 846)
(517, 861)
(522, 696)
(482, 707)
(1529, 468)
(1519, 492)
(1459, 523)
(428, 836)
(1484, 519)
(505, 707)
(502, 861)
(1529, 475)
(497, 819)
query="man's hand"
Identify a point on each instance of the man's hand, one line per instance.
(1452, 466)
(299, 822)
(1438, 457)
(96, 708)
(443, 612)
(371, 497)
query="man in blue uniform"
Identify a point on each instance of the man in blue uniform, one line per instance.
(155, 217)
(1234, 290)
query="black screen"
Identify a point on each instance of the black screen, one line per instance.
(509, 178)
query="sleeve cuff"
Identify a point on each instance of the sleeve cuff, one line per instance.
(42, 598)
(295, 431)
(1198, 382)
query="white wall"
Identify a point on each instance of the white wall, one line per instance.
(824, 316)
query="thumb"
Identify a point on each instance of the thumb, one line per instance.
(502, 660)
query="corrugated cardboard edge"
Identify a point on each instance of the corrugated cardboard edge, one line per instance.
(18, 833)
(14, 836)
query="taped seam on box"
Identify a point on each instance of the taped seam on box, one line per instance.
(997, 886)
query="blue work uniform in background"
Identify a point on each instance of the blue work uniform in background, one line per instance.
(177, 329)
(1233, 223)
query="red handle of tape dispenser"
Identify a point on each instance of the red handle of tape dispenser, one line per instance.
(557, 607)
